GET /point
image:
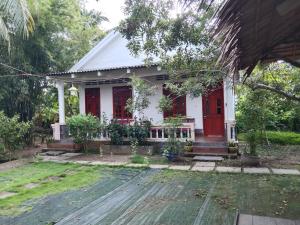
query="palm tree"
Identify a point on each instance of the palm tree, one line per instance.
(15, 18)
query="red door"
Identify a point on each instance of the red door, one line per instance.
(120, 97)
(92, 101)
(213, 112)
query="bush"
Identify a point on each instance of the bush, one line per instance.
(12, 134)
(277, 137)
(139, 132)
(117, 132)
(83, 129)
(138, 159)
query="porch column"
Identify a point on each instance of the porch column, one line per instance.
(82, 99)
(134, 97)
(61, 102)
(229, 97)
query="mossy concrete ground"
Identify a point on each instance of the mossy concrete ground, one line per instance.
(137, 196)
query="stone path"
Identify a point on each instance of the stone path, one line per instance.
(245, 219)
(202, 166)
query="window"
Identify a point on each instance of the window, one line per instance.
(179, 104)
(120, 97)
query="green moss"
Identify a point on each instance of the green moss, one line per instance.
(51, 178)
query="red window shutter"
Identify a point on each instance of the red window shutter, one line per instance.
(179, 104)
(120, 98)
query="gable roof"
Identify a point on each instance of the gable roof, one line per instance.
(110, 53)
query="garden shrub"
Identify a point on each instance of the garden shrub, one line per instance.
(139, 131)
(117, 132)
(12, 134)
(139, 159)
(276, 137)
(83, 128)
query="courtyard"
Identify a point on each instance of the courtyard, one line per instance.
(55, 193)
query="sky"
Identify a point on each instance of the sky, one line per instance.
(112, 9)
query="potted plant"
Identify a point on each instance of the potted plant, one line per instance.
(233, 147)
(188, 146)
(173, 146)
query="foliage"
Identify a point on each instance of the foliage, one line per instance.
(181, 42)
(140, 100)
(64, 32)
(281, 113)
(277, 137)
(173, 146)
(117, 132)
(83, 128)
(12, 133)
(165, 104)
(139, 159)
(15, 18)
(139, 131)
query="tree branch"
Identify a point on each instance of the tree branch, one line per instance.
(273, 89)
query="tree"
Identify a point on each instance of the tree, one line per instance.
(181, 42)
(64, 31)
(15, 18)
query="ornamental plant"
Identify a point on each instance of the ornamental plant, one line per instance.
(12, 134)
(84, 128)
(173, 146)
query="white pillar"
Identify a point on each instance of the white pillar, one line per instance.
(134, 98)
(82, 99)
(61, 102)
(229, 100)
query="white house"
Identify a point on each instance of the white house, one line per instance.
(102, 76)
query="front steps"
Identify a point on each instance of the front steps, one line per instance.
(63, 145)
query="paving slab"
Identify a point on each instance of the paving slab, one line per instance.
(82, 162)
(5, 194)
(179, 167)
(52, 153)
(254, 170)
(226, 169)
(208, 158)
(31, 185)
(286, 171)
(71, 154)
(203, 168)
(136, 165)
(205, 164)
(158, 166)
(245, 219)
(97, 163)
(116, 163)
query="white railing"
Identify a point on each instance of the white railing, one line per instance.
(230, 131)
(161, 133)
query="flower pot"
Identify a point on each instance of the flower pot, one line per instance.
(171, 156)
(188, 148)
(233, 149)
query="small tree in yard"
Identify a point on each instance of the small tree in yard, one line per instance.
(12, 134)
(83, 129)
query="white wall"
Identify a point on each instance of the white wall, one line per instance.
(229, 100)
(106, 101)
(194, 110)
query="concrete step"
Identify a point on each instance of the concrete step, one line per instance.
(60, 149)
(210, 144)
(210, 149)
(225, 155)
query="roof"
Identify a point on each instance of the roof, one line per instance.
(110, 53)
(258, 30)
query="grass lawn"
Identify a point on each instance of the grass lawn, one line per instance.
(142, 196)
(49, 178)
